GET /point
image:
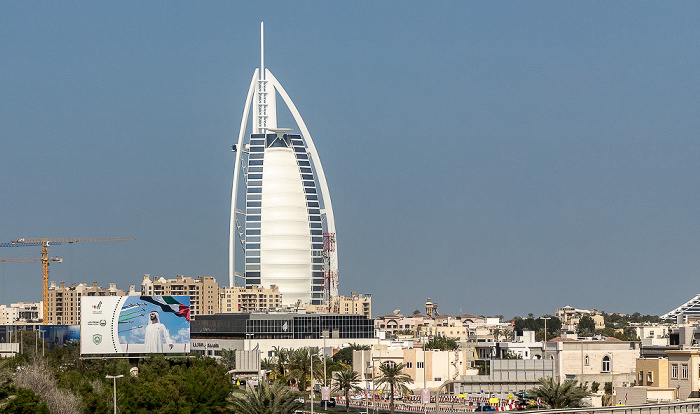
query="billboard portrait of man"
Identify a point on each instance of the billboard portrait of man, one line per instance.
(157, 335)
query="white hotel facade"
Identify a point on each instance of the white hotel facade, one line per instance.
(281, 211)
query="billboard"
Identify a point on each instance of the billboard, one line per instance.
(134, 324)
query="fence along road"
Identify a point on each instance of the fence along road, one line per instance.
(662, 408)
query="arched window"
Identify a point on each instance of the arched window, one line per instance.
(606, 364)
(586, 360)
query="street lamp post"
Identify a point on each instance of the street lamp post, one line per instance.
(114, 378)
(544, 343)
(311, 393)
(249, 336)
(323, 355)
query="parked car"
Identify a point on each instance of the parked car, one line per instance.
(485, 408)
(331, 403)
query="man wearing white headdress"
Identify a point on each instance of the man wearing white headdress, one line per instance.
(157, 335)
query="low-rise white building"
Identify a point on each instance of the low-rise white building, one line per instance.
(589, 360)
(428, 368)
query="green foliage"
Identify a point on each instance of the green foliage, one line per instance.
(537, 325)
(345, 355)
(512, 355)
(608, 388)
(595, 386)
(345, 381)
(557, 394)
(441, 343)
(300, 365)
(25, 402)
(228, 358)
(198, 385)
(586, 326)
(392, 376)
(266, 399)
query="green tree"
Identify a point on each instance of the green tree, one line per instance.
(345, 381)
(512, 355)
(266, 399)
(392, 376)
(586, 326)
(345, 355)
(557, 394)
(228, 358)
(300, 365)
(25, 402)
(595, 386)
(441, 343)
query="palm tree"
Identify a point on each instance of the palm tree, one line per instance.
(267, 399)
(300, 364)
(282, 355)
(556, 394)
(392, 375)
(270, 366)
(344, 381)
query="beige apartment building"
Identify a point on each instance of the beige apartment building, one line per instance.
(570, 317)
(203, 291)
(238, 299)
(428, 369)
(684, 372)
(353, 305)
(652, 372)
(63, 307)
(587, 360)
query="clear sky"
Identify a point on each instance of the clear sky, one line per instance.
(497, 157)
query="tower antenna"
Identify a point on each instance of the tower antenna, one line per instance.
(262, 51)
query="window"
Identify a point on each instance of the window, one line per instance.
(684, 371)
(674, 371)
(650, 377)
(641, 377)
(606, 364)
(409, 364)
(437, 379)
(586, 360)
(420, 364)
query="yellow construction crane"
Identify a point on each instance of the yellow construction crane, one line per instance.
(45, 259)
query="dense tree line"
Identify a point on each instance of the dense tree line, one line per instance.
(63, 383)
(537, 325)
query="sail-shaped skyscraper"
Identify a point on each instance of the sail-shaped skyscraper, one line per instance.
(283, 221)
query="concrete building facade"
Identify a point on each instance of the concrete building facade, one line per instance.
(586, 360)
(239, 299)
(203, 291)
(63, 307)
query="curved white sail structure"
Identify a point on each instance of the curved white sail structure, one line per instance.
(285, 224)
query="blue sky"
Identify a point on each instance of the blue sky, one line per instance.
(498, 157)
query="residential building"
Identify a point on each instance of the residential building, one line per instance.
(570, 317)
(684, 372)
(63, 307)
(21, 312)
(239, 299)
(203, 291)
(588, 360)
(353, 305)
(652, 372)
(428, 368)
